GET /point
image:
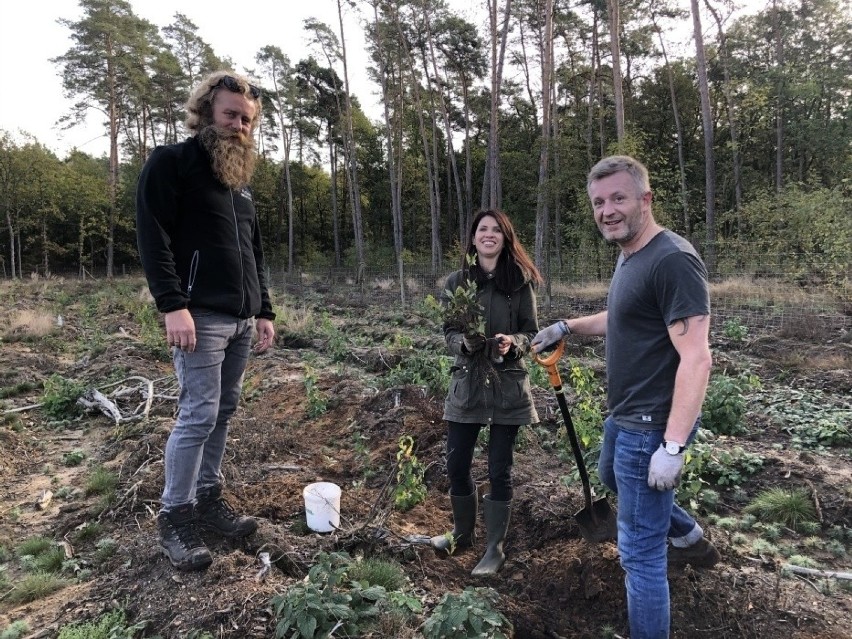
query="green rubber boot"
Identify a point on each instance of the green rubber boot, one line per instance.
(496, 525)
(464, 521)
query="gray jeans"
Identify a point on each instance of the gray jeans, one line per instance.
(210, 380)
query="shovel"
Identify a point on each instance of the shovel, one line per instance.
(596, 520)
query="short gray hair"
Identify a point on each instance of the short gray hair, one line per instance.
(616, 164)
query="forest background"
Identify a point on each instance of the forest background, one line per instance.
(746, 135)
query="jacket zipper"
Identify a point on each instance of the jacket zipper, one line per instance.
(239, 252)
(193, 269)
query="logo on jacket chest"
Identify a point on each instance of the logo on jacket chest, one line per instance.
(246, 193)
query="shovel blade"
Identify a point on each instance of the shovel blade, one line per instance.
(597, 522)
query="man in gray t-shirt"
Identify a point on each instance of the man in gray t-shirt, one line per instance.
(658, 364)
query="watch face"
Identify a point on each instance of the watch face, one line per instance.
(672, 448)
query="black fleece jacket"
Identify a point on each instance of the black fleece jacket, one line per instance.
(199, 241)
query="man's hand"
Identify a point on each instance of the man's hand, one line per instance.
(665, 469)
(473, 343)
(265, 334)
(180, 330)
(549, 336)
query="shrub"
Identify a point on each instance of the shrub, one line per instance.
(725, 403)
(468, 615)
(59, 400)
(326, 601)
(410, 489)
(15, 630)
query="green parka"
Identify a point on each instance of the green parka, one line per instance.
(473, 400)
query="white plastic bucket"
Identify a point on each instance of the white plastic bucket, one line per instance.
(322, 506)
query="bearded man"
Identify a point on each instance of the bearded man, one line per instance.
(200, 246)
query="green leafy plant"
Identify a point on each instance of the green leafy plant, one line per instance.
(725, 403)
(111, 625)
(467, 615)
(317, 399)
(811, 417)
(587, 409)
(326, 601)
(462, 309)
(410, 489)
(421, 368)
(788, 507)
(731, 468)
(15, 630)
(734, 330)
(73, 458)
(430, 309)
(59, 400)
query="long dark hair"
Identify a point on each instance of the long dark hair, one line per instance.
(514, 266)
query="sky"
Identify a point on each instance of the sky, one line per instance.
(30, 37)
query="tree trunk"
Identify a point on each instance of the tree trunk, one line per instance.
(707, 125)
(681, 163)
(113, 156)
(396, 207)
(733, 124)
(352, 158)
(542, 218)
(779, 105)
(617, 92)
(492, 170)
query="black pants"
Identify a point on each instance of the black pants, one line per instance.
(461, 439)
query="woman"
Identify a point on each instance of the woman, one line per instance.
(490, 383)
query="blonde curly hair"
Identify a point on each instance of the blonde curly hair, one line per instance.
(199, 107)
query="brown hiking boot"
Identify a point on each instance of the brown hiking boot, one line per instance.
(214, 513)
(179, 540)
(701, 554)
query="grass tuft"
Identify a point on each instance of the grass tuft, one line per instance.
(789, 507)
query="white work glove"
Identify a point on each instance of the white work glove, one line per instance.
(665, 469)
(549, 336)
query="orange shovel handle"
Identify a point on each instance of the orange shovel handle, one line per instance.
(549, 364)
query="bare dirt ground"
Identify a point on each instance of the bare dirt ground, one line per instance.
(553, 585)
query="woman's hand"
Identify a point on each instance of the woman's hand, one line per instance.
(504, 343)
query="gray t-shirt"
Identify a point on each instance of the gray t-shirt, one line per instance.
(661, 283)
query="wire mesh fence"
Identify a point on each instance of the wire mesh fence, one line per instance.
(764, 293)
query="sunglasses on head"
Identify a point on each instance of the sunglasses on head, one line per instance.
(232, 84)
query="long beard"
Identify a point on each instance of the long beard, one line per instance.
(232, 155)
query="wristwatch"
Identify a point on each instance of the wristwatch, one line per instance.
(673, 448)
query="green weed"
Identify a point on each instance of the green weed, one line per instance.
(111, 625)
(33, 546)
(15, 630)
(788, 507)
(734, 330)
(73, 458)
(375, 571)
(101, 482)
(59, 400)
(469, 614)
(725, 403)
(35, 586)
(317, 399)
(410, 489)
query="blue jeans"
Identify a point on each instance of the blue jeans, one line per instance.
(646, 518)
(210, 380)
